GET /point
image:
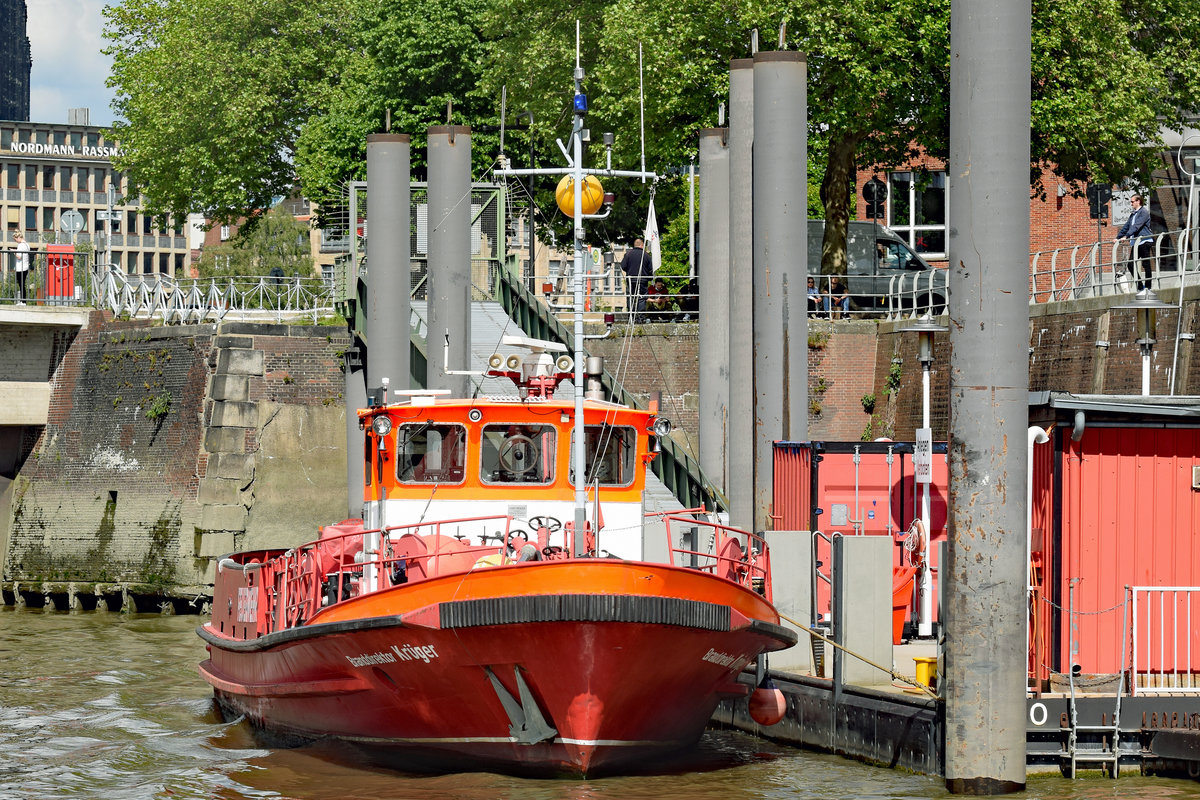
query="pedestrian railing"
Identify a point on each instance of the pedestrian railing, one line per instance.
(1108, 268)
(196, 300)
(53, 279)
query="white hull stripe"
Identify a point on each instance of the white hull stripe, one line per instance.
(507, 740)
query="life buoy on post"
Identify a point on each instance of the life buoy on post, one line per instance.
(914, 543)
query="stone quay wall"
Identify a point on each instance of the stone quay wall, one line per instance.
(169, 446)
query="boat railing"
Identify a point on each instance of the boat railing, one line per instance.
(721, 550)
(1166, 657)
(332, 569)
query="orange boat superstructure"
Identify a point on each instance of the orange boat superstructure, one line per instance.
(465, 625)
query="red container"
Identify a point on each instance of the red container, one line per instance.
(60, 272)
(1127, 515)
(819, 486)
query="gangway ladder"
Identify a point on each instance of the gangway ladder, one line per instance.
(1109, 751)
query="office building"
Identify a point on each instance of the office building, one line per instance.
(48, 169)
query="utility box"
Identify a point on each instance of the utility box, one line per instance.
(59, 287)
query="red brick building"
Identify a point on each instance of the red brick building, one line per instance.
(917, 208)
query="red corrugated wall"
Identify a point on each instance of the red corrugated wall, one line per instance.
(1129, 517)
(1040, 547)
(793, 486)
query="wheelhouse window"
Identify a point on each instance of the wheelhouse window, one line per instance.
(609, 457)
(429, 453)
(917, 210)
(518, 454)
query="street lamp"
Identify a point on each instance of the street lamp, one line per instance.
(926, 329)
(1146, 304)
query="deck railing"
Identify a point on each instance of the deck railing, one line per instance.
(726, 552)
(1166, 654)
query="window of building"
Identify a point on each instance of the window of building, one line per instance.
(6, 137)
(148, 263)
(82, 175)
(917, 210)
(76, 140)
(30, 218)
(517, 454)
(12, 176)
(131, 223)
(31, 175)
(64, 178)
(224, 232)
(179, 265)
(42, 137)
(147, 224)
(48, 178)
(93, 139)
(132, 263)
(48, 219)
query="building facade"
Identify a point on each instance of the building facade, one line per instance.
(47, 170)
(16, 60)
(915, 205)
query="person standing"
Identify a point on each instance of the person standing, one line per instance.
(1137, 230)
(21, 266)
(637, 267)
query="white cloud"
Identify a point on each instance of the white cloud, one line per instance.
(69, 71)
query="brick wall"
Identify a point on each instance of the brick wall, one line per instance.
(663, 358)
(1054, 221)
(111, 493)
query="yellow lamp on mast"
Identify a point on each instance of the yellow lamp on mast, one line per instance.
(592, 194)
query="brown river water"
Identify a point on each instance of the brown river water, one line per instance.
(110, 706)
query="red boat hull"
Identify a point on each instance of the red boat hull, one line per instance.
(593, 682)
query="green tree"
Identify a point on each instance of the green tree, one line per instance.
(278, 242)
(225, 103)
(417, 62)
(212, 94)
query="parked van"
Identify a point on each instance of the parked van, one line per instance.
(878, 263)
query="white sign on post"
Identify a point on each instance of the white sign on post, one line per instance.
(923, 456)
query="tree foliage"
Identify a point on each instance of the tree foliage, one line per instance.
(212, 94)
(277, 245)
(226, 105)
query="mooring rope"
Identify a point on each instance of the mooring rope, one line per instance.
(895, 675)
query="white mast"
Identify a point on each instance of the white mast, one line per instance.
(577, 172)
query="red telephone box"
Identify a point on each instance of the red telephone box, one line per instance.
(60, 274)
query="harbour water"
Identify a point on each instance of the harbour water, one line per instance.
(110, 707)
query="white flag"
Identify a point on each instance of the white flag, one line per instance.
(651, 237)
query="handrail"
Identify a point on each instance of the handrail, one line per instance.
(187, 300)
(1105, 268)
(1165, 658)
(678, 471)
(735, 554)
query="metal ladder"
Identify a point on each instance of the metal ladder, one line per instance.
(1109, 751)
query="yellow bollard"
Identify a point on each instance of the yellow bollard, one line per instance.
(926, 670)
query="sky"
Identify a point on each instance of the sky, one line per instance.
(68, 68)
